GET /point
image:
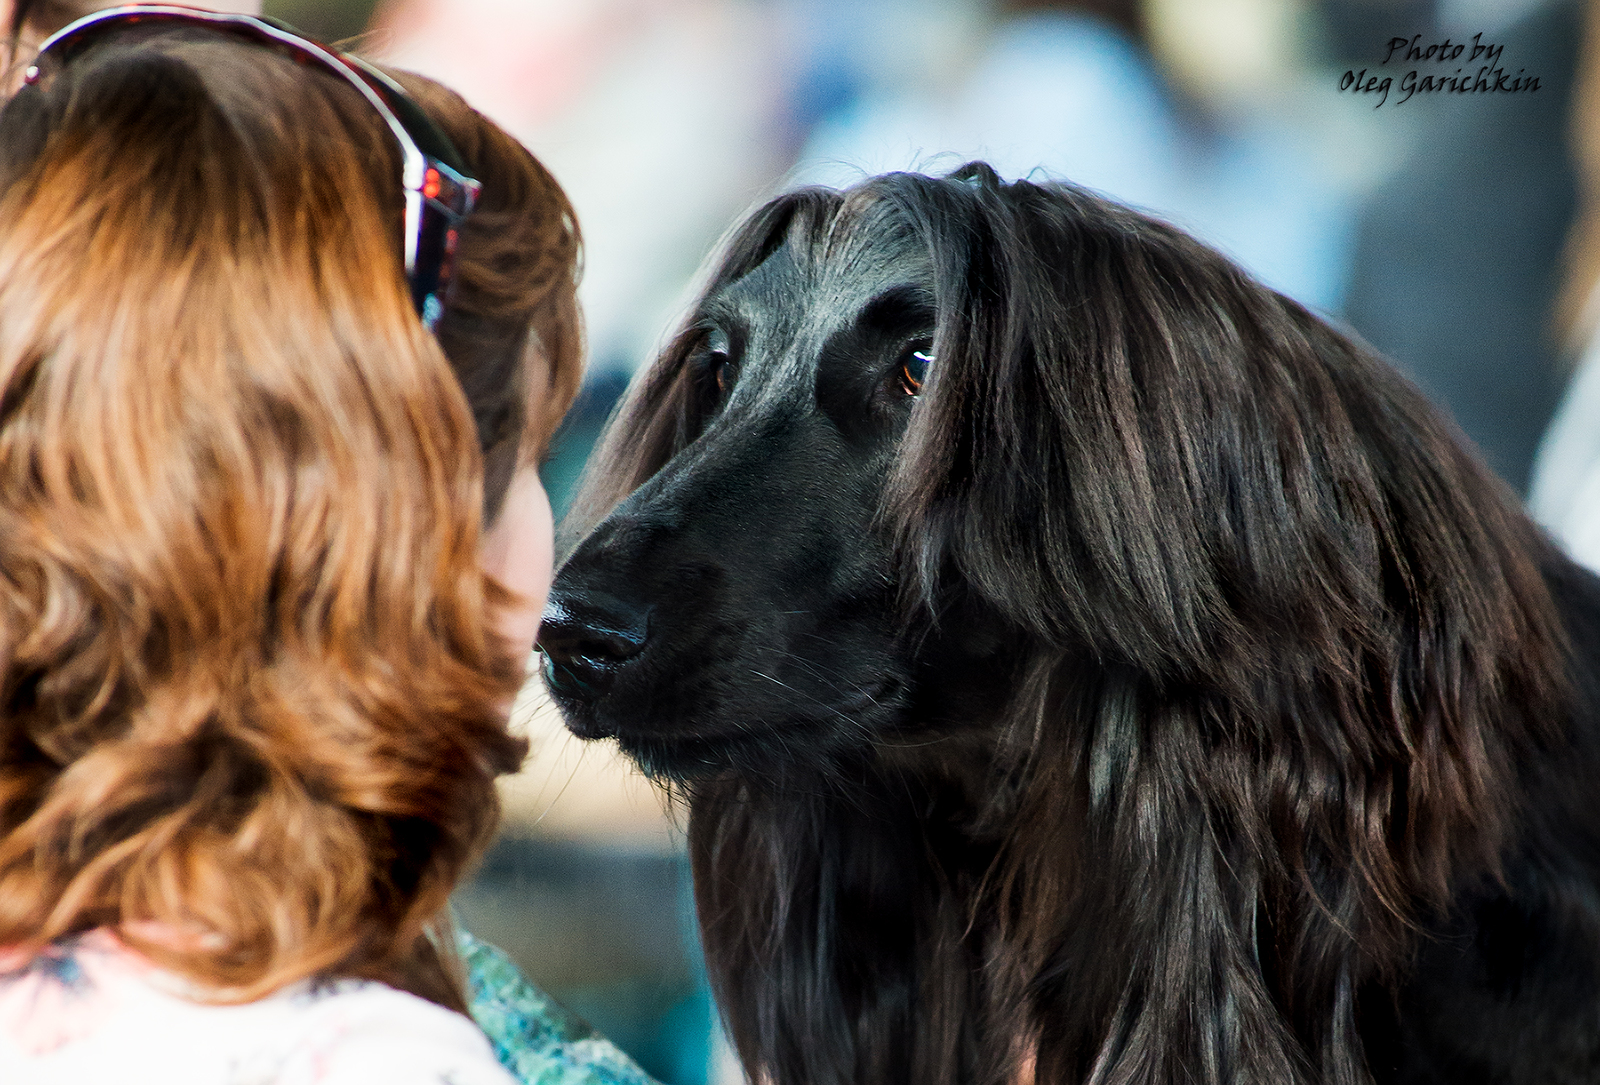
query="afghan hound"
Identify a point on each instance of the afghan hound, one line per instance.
(1085, 665)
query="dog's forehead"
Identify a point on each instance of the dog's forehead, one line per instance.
(806, 292)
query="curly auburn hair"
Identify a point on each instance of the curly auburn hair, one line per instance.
(250, 697)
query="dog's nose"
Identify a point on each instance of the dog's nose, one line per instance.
(586, 637)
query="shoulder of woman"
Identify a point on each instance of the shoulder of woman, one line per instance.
(366, 1032)
(89, 1008)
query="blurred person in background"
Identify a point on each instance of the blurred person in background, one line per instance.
(1565, 495)
(1565, 492)
(103, 154)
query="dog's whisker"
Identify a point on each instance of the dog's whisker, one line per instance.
(802, 693)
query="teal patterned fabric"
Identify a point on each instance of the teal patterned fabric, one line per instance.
(536, 1039)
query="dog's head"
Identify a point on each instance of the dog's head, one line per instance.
(928, 426)
(743, 598)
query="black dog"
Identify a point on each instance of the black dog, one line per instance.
(1084, 665)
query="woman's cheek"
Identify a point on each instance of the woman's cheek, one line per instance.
(518, 551)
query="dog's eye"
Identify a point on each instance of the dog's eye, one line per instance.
(713, 357)
(914, 363)
(723, 369)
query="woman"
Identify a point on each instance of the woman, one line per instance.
(256, 645)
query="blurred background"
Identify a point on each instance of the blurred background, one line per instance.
(1435, 228)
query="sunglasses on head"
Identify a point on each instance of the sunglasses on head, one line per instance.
(439, 193)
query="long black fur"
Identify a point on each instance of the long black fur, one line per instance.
(1162, 694)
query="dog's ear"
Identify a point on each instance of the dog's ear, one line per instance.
(1145, 459)
(658, 415)
(1132, 448)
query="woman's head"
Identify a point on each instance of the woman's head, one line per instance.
(248, 687)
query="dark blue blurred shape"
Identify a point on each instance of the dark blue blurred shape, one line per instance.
(1458, 257)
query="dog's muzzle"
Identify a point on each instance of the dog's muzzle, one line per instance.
(587, 638)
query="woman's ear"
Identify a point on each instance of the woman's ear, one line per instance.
(518, 551)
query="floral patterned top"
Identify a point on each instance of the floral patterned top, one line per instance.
(538, 1040)
(91, 1011)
